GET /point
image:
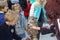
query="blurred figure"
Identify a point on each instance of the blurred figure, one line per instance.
(26, 10)
(10, 19)
(37, 12)
(23, 3)
(22, 22)
(53, 13)
(5, 33)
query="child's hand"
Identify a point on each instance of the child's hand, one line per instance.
(35, 28)
(23, 39)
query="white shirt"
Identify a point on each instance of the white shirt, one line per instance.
(32, 10)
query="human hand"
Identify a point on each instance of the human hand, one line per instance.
(35, 28)
(23, 39)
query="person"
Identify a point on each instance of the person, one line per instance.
(53, 13)
(5, 9)
(22, 22)
(5, 33)
(10, 19)
(23, 3)
(26, 11)
(32, 1)
(38, 12)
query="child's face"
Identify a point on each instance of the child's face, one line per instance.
(41, 1)
(17, 9)
(5, 8)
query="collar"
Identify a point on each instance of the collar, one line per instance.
(1, 12)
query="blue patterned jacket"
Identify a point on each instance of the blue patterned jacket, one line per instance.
(2, 18)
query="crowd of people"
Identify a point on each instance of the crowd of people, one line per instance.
(29, 19)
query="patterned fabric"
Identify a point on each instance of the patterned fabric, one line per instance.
(2, 18)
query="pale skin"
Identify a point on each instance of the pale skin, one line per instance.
(34, 27)
(10, 18)
(12, 23)
(38, 28)
(6, 7)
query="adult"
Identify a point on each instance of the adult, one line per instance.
(53, 12)
(37, 12)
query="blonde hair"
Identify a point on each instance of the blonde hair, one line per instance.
(38, 2)
(11, 16)
(3, 3)
(16, 5)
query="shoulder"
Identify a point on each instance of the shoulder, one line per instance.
(33, 3)
(1, 12)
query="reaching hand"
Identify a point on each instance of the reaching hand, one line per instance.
(35, 28)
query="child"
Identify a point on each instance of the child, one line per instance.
(21, 24)
(4, 29)
(11, 18)
(4, 5)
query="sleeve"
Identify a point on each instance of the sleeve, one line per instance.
(44, 15)
(30, 19)
(32, 10)
(25, 23)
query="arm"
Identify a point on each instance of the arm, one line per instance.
(35, 28)
(31, 10)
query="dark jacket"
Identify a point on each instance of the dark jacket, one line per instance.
(23, 4)
(5, 33)
(53, 13)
